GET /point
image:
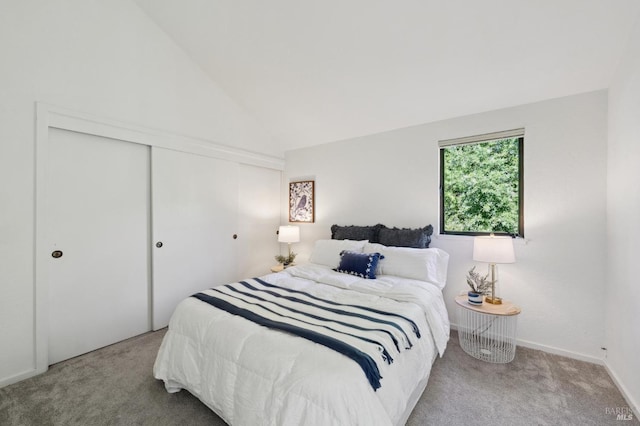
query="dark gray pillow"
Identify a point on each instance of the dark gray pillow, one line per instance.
(416, 238)
(355, 232)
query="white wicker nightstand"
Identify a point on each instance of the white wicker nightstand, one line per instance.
(488, 332)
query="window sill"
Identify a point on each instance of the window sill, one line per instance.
(451, 237)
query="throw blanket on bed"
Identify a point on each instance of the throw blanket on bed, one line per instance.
(363, 334)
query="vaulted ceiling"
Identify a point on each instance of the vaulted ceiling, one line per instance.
(319, 71)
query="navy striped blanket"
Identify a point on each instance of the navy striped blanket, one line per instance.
(364, 334)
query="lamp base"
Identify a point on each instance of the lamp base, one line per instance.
(493, 300)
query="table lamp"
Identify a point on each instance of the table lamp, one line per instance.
(289, 234)
(493, 250)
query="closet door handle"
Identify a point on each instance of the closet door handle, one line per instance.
(159, 244)
(57, 254)
(235, 236)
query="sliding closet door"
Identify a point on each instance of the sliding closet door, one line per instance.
(194, 223)
(97, 228)
(258, 219)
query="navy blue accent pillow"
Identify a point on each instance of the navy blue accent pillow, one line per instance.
(362, 265)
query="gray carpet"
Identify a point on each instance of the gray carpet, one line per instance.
(114, 386)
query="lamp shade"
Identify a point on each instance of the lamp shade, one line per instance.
(289, 234)
(492, 249)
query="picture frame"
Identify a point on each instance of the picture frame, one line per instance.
(302, 201)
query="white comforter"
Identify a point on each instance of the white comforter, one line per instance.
(250, 375)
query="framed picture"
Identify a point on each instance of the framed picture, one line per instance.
(302, 201)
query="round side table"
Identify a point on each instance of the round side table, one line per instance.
(277, 268)
(487, 332)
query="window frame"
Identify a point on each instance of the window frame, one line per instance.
(443, 144)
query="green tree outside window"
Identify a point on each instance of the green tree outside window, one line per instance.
(482, 187)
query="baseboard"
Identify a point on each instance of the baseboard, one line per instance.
(635, 407)
(553, 350)
(19, 377)
(561, 352)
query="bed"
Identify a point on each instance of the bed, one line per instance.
(303, 367)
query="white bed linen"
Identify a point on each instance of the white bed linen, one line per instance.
(250, 375)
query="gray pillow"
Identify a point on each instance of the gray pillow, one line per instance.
(357, 233)
(405, 237)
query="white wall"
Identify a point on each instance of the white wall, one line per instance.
(559, 277)
(101, 57)
(623, 225)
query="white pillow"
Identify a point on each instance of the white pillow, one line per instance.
(327, 252)
(417, 264)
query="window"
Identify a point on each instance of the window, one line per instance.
(481, 184)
